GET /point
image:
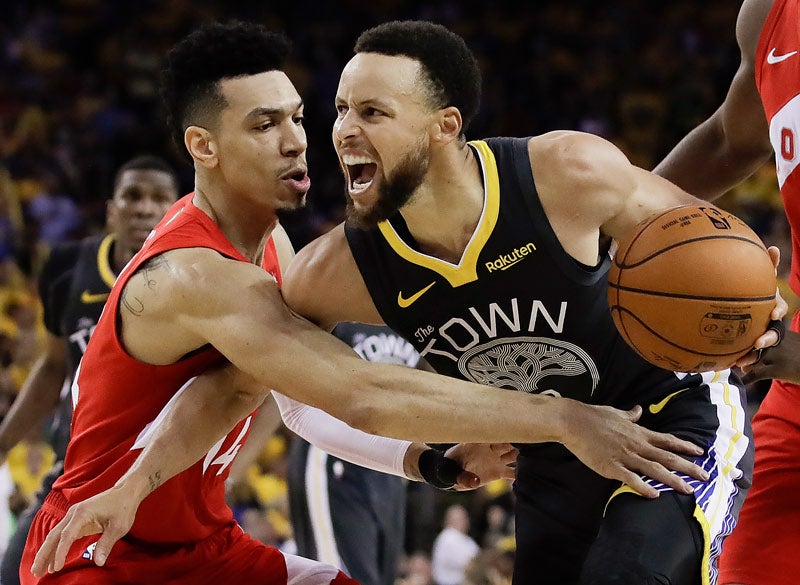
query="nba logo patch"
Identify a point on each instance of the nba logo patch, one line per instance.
(88, 554)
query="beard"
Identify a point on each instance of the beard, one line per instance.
(394, 192)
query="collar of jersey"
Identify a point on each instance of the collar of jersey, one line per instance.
(467, 268)
(104, 260)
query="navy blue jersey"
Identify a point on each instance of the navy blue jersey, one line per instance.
(73, 286)
(517, 311)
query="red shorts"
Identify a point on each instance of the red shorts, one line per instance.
(762, 550)
(228, 556)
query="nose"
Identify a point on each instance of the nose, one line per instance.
(148, 206)
(294, 141)
(345, 126)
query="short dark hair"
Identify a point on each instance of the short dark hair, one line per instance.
(213, 52)
(146, 162)
(453, 76)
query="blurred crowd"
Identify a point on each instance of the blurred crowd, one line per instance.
(79, 95)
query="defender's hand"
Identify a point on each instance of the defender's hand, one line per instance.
(778, 362)
(774, 334)
(487, 461)
(610, 442)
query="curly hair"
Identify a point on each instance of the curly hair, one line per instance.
(453, 76)
(213, 52)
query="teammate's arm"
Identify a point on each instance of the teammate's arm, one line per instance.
(38, 396)
(730, 145)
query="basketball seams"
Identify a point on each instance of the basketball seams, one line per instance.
(686, 242)
(693, 297)
(655, 333)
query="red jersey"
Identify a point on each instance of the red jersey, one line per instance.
(117, 399)
(778, 80)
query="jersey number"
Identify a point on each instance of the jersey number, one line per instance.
(787, 144)
(226, 458)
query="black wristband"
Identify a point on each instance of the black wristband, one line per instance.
(436, 469)
(779, 328)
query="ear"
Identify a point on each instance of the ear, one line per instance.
(111, 214)
(201, 146)
(448, 125)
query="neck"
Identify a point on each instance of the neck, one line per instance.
(121, 254)
(444, 212)
(245, 224)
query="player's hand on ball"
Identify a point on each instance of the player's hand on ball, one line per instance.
(777, 362)
(774, 334)
(486, 461)
(610, 442)
(109, 514)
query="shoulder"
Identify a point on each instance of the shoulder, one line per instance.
(575, 161)
(192, 279)
(323, 283)
(752, 16)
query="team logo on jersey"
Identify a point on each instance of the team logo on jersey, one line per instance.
(506, 261)
(88, 298)
(404, 303)
(772, 58)
(537, 365)
(88, 554)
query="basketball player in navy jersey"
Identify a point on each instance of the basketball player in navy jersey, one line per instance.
(488, 256)
(193, 295)
(73, 287)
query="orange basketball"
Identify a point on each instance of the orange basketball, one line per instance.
(692, 288)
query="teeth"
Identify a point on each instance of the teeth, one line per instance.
(359, 187)
(350, 160)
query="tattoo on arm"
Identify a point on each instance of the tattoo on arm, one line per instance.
(135, 305)
(155, 481)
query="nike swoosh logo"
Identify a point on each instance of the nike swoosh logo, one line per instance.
(772, 58)
(405, 303)
(88, 298)
(659, 406)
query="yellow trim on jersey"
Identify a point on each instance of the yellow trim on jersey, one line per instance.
(623, 489)
(104, 261)
(705, 564)
(467, 269)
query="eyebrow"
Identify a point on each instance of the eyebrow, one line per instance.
(262, 112)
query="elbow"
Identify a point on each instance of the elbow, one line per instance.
(367, 417)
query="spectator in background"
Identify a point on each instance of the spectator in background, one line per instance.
(453, 548)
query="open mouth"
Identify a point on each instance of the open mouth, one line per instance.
(299, 179)
(360, 172)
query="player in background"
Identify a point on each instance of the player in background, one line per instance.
(759, 117)
(345, 514)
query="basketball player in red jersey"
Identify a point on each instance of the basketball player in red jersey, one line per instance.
(760, 113)
(193, 296)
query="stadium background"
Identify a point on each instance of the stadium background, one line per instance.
(79, 96)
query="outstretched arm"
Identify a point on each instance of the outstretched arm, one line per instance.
(730, 145)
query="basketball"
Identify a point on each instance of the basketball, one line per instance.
(692, 288)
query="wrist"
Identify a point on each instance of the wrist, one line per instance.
(437, 470)
(411, 461)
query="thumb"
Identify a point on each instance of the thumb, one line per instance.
(635, 413)
(468, 480)
(108, 538)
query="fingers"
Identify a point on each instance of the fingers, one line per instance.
(635, 413)
(108, 538)
(775, 256)
(781, 307)
(467, 481)
(43, 562)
